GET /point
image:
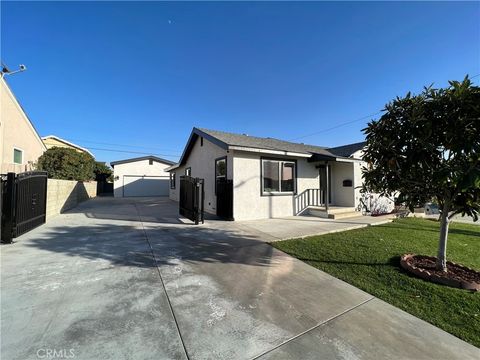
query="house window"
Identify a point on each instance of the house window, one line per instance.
(150, 162)
(278, 176)
(220, 170)
(17, 156)
(172, 180)
(188, 171)
(201, 141)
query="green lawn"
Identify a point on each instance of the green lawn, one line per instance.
(369, 258)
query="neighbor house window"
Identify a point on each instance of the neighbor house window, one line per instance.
(17, 156)
(150, 162)
(220, 170)
(172, 180)
(278, 176)
(188, 171)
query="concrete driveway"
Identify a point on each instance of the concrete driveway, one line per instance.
(129, 279)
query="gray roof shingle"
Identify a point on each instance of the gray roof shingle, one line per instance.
(268, 143)
(347, 150)
(226, 139)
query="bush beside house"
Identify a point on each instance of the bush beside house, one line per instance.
(67, 164)
(71, 178)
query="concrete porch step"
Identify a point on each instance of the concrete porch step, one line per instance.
(334, 212)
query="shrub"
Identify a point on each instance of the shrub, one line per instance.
(67, 164)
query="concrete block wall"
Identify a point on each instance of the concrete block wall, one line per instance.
(63, 195)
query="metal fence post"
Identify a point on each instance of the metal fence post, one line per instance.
(8, 209)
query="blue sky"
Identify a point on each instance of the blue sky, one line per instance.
(141, 75)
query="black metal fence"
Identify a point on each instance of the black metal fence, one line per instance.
(104, 188)
(225, 199)
(24, 203)
(192, 198)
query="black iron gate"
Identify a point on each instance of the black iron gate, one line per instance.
(24, 202)
(225, 199)
(192, 198)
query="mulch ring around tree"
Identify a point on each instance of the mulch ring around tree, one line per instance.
(456, 276)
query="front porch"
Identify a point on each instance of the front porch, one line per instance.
(316, 202)
(332, 212)
(335, 196)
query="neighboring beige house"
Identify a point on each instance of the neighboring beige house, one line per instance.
(20, 144)
(142, 176)
(270, 177)
(51, 141)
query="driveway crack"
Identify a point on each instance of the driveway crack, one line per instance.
(162, 282)
(312, 328)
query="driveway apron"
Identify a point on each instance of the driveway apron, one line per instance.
(130, 279)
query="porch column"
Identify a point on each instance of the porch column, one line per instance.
(328, 185)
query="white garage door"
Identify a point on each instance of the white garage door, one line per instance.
(134, 185)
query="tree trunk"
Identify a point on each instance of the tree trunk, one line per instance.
(442, 245)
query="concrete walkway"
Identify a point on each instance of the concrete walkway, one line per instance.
(302, 226)
(129, 279)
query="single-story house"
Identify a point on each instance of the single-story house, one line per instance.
(141, 176)
(52, 141)
(20, 144)
(272, 178)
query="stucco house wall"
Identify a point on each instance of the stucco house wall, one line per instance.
(358, 181)
(139, 168)
(248, 202)
(202, 164)
(16, 131)
(342, 195)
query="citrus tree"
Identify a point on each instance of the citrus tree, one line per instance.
(427, 147)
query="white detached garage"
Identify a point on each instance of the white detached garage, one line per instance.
(142, 176)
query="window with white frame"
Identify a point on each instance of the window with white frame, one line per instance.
(17, 156)
(278, 176)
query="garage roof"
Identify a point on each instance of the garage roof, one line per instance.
(149, 157)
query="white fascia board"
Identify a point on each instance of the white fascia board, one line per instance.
(173, 167)
(348, 160)
(267, 151)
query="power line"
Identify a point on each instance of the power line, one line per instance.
(124, 145)
(351, 121)
(336, 126)
(131, 152)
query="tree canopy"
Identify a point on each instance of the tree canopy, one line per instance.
(427, 147)
(67, 164)
(102, 172)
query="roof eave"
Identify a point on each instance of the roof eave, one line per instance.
(269, 151)
(148, 157)
(191, 140)
(173, 167)
(66, 142)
